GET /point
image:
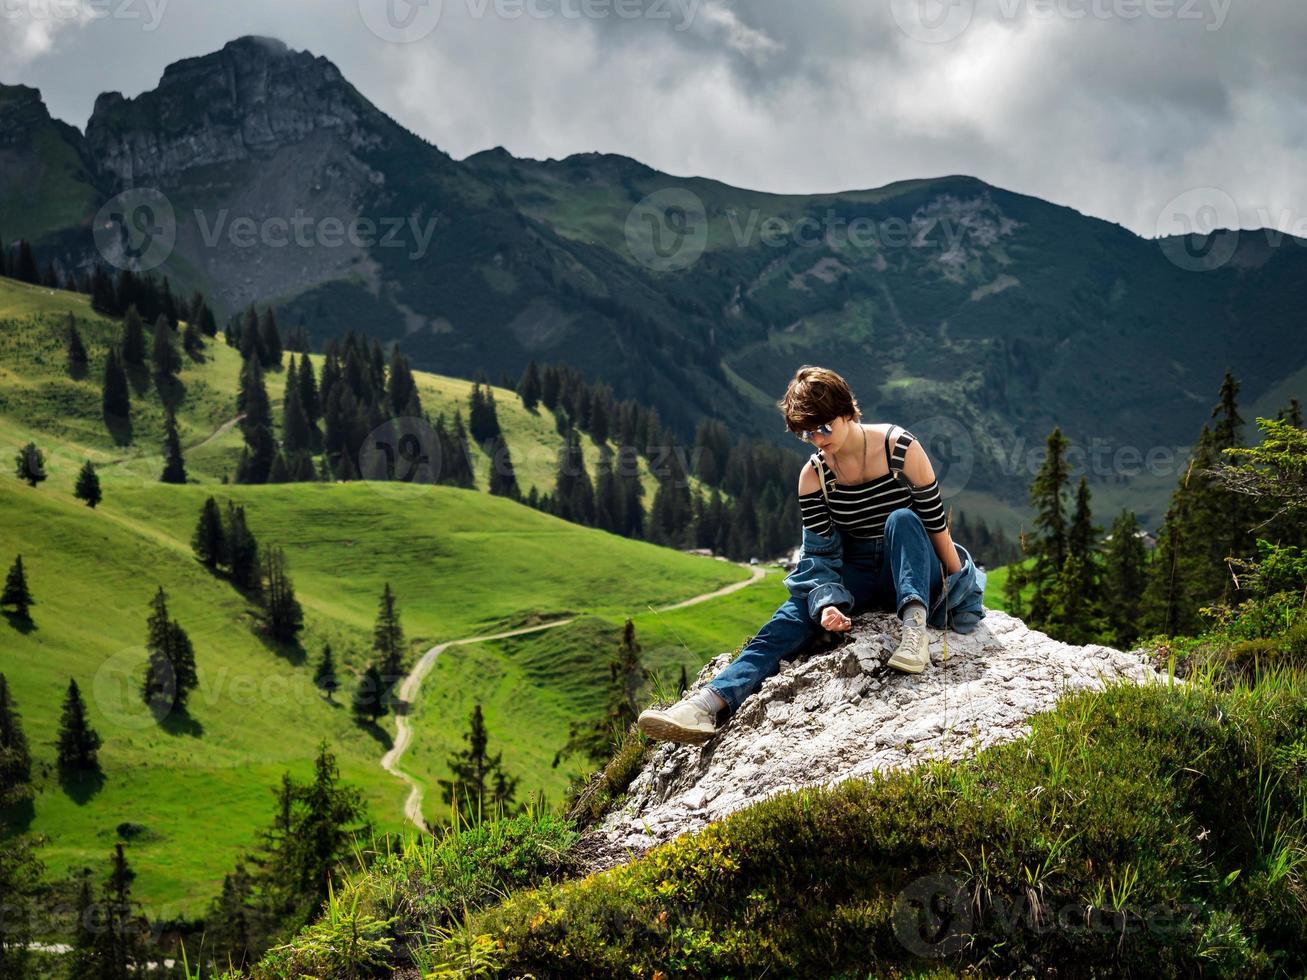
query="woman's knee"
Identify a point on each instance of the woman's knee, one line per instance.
(904, 519)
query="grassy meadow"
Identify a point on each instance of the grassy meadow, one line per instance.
(198, 786)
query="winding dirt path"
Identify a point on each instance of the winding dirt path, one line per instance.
(220, 430)
(411, 686)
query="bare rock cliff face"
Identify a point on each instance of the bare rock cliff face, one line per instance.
(836, 713)
(21, 111)
(248, 100)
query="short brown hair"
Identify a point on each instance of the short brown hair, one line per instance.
(815, 396)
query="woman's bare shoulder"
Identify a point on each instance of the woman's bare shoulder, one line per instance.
(809, 482)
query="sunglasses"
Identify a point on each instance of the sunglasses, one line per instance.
(807, 434)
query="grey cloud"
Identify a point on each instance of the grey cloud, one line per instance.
(1113, 116)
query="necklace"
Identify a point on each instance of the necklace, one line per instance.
(864, 456)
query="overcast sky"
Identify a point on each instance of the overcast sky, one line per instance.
(1115, 107)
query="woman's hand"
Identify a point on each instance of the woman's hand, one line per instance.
(833, 619)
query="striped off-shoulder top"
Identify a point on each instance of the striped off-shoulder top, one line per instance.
(860, 510)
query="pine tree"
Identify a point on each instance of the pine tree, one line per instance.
(329, 819)
(503, 480)
(170, 673)
(15, 757)
(133, 345)
(29, 464)
(78, 743)
(388, 644)
(260, 446)
(232, 922)
(1165, 608)
(325, 676)
(529, 387)
(25, 903)
(192, 339)
(573, 491)
(119, 945)
(174, 467)
(296, 433)
(116, 404)
(1125, 567)
(82, 958)
(284, 616)
(164, 357)
(474, 774)
(632, 494)
(102, 293)
(270, 339)
(242, 550)
(309, 396)
(249, 342)
(1229, 516)
(367, 703)
(459, 456)
(301, 470)
(208, 542)
(168, 306)
(26, 270)
(16, 593)
(208, 325)
(402, 391)
(1073, 615)
(1082, 543)
(315, 830)
(280, 470)
(608, 501)
(594, 739)
(346, 471)
(627, 675)
(75, 349)
(276, 860)
(1049, 544)
(483, 418)
(1206, 527)
(87, 487)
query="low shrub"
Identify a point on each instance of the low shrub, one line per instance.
(1152, 830)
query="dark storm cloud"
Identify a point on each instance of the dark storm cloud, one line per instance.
(1115, 107)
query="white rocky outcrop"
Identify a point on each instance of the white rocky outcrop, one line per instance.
(833, 713)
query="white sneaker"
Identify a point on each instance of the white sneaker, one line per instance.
(913, 654)
(684, 721)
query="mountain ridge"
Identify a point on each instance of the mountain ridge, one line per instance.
(998, 312)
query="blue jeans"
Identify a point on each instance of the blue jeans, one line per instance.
(876, 584)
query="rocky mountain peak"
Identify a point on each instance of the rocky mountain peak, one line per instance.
(21, 110)
(247, 100)
(840, 712)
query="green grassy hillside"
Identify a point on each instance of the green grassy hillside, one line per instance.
(461, 562)
(531, 687)
(38, 398)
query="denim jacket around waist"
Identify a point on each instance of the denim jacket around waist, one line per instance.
(817, 580)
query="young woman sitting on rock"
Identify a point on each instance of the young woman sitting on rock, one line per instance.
(874, 537)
